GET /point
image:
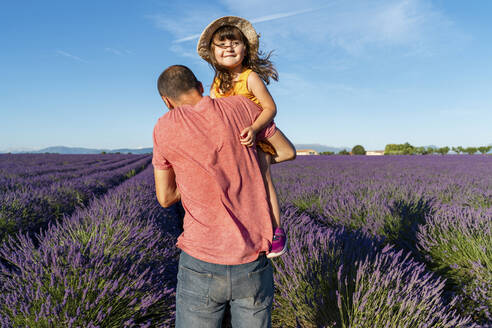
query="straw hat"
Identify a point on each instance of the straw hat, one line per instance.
(243, 25)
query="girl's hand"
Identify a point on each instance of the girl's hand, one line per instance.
(247, 136)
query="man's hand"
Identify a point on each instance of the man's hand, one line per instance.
(248, 136)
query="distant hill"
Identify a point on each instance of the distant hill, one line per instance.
(320, 148)
(80, 150)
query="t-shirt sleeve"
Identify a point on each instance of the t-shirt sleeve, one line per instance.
(255, 111)
(267, 132)
(158, 159)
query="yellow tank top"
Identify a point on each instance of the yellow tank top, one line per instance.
(240, 87)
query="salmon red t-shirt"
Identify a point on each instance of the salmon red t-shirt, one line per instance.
(227, 216)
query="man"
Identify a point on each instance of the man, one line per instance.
(199, 160)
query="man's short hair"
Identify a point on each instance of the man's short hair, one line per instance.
(176, 80)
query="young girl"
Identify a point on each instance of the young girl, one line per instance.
(230, 45)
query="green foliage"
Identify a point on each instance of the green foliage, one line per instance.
(130, 173)
(443, 150)
(458, 150)
(408, 149)
(423, 151)
(470, 150)
(358, 150)
(399, 149)
(343, 152)
(484, 149)
(459, 249)
(326, 153)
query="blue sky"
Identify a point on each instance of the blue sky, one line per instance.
(83, 73)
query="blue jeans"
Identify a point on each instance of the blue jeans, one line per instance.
(205, 288)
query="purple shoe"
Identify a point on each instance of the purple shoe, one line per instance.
(279, 243)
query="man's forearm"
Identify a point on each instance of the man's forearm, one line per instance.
(166, 189)
(172, 198)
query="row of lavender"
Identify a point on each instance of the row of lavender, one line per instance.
(112, 264)
(437, 210)
(31, 205)
(25, 165)
(19, 177)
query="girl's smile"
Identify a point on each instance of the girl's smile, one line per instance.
(229, 53)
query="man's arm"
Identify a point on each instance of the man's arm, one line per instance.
(165, 187)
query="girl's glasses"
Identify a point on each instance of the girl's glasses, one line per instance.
(225, 45)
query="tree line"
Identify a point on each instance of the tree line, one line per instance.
(408, 149)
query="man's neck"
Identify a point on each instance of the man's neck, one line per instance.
(190, 98)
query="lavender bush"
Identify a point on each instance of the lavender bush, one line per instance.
(458, 244)
(337, 278)
(106, 266)
(392, 290)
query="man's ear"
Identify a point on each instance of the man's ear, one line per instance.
(200, 87)
(169, 102)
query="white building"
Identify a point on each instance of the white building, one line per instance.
(306, 152)
(375, 152)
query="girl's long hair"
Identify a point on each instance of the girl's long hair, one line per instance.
(258, 62)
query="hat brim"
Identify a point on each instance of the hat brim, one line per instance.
(242, 24)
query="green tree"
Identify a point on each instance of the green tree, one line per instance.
(358, 150)
(458, 150)
(326, 153)
(343, 152)
(484, 149)
(399, 149)
(443, 150)
(470, 150)
(423, 150)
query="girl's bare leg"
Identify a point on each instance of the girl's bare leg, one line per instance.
(265, 160)
(283, 147)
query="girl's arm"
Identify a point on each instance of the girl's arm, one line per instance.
(283, 146)
(258, 88)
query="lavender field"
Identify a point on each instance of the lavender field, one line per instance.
(394, 241)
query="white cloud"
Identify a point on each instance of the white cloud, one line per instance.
(185, 52)
(183, 20)
(352, 26)
(188, 38)
(68, 55)
(279, 15)
(298, 29)
(254, 20)
(114, 51)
